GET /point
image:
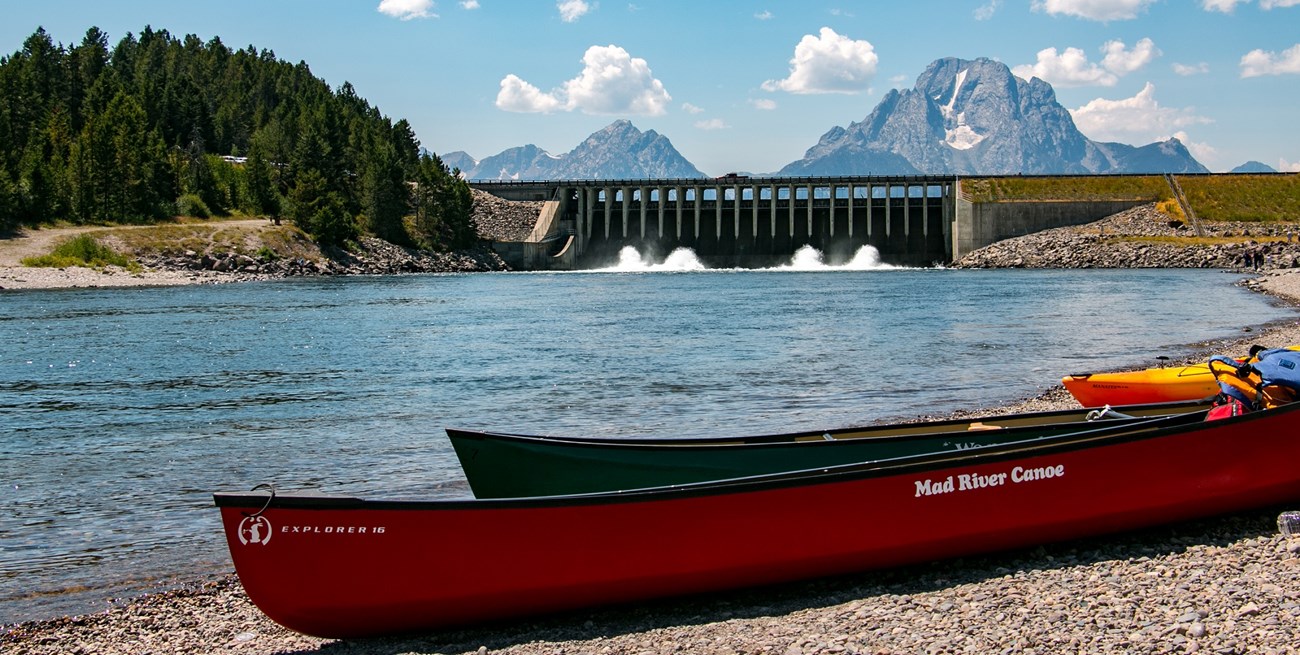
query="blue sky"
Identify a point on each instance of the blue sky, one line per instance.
(749, 86)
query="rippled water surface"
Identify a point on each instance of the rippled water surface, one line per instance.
(124, 409)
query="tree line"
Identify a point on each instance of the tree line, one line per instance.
(157, 126)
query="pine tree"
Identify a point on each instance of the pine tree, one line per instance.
(8, 202)
(460, 214)
(319, 211)
(87, 64)
(430, 184)
(444, 206)
(260, 195)
(384, 199)
(198, 177)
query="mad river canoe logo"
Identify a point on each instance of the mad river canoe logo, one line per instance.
(971, 481)
(254, 530)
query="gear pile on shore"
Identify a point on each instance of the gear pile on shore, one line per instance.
(1143, 237)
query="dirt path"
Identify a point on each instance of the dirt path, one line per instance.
(34, 243)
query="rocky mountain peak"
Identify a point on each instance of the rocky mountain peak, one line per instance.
(618, 150)
(973, 117)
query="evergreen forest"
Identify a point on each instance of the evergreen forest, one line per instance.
(156, 127)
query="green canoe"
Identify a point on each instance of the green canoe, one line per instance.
(502, 465)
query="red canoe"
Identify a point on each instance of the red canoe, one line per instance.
(345, 567)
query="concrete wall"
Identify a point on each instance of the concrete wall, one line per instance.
(976, 225)
(545, 248)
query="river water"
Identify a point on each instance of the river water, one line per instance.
(122, 410)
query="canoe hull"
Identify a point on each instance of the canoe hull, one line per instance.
(498, 465)
(340, 567)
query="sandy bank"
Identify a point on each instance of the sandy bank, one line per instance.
(23, 277)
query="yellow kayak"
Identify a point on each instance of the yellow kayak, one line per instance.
(1152, 385)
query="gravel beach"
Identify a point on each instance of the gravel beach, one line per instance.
(1223, 585)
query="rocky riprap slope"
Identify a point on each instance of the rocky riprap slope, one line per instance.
(499, 219)
(1131, 239)
(372, 257)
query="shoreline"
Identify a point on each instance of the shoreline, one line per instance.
(1225, 584)
(26, 278)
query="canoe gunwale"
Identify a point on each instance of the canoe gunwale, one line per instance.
(892, 431)
(1150, 429)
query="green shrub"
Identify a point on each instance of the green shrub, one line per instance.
(266, 254)
(191, 204)
(83, 250)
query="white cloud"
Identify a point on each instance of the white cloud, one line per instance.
(572, 10)
(1270, 4)
(691, 109)
(1122, 62)
(469, 4)
(407, 9)
(1223, 6)
(1068, 68)
(985, 12)
(1288, 166)
(1191, 69)
(828, 63)
(764, 104)
(519, 96)
(1099, 10)
(711, 124)
(614, 82)
(1258, 62)
(611, 82)
(1072, 68)
(1139, 118)
(763, 15)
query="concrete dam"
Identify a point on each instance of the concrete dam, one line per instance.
(752, 222)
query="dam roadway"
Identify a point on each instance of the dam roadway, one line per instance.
(752, 222)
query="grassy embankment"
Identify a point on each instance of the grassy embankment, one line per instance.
(121, 246)
(1259, 202)
(82, 250)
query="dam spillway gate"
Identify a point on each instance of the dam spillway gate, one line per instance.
(736, 221)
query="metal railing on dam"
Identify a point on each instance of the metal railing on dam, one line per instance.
(738, 221)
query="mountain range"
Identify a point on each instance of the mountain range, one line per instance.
(970, 117)
(619, 151)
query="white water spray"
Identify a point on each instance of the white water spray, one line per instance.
(631, 261)
(808, 258)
